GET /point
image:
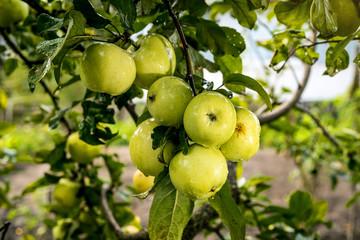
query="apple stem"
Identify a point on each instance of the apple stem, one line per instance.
(189, 76)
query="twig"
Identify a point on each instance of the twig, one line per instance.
(235, 191)
(304, 109)
(30, 65)
(216, 230)
(292, 52)
(286, 106)
(199, 220)
(4, 228)
(189, 75)
(112, 221)
(130, 107)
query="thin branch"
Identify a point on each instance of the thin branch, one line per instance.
(130, 107)
(31, 65)
(285, 107)
(304, 109)
(292, 52)
(235, 191)
(4, 228)
(216, 230)
(199, 220)
(112, 221)
(189, 75)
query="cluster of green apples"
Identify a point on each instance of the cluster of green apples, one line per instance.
(218, 131)
(107, 68)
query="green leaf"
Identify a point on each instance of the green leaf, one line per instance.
(320, 209)
(196, 8)
(353, 199)
(46, 180)
(46, 23)
(301, 200)
(263, 4)
(54, 122)
(145, 115)
(159, 136)
(229, 65)
(293, 13)
(6, 127)
(234, 80)
(212, 36)
(229, 212)
(218, 8)
(322, 17)
(127, 12)
(335, 65)
(169, 213)
(242, 12)
(307, 55)
(93, 19)
(56, 49)
(10, 65)
(235, 42)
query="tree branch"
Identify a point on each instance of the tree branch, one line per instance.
(189, 75)
(285, 107)
(112, 221)
(130, 107)
(292, 52)
(31, 65)
(304, 109)
(4, 228)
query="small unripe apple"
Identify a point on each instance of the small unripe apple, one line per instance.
(210, 119)
(12, 11)
(167, 99)
(81, 151)
(154, 59)
(107, 68)
(66, 193)
(141, 182)
(244, 143)
(200, 173)
(143, 156)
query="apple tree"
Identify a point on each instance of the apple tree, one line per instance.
(194, 134)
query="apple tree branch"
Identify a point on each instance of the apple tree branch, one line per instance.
(189, 75)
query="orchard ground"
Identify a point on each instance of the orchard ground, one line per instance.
(266, 162)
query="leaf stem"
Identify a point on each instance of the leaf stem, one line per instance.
(189, 76)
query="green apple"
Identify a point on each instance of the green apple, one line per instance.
(347, 16)
(345, 13)
(167, 99)
(12, 11)
(81, 151)
(244, 143)
(200, 173)
(66, 193)
(62, 228)
(210, 119)
(141, 182)
(154, 59)
(143, 156)
(107, 68)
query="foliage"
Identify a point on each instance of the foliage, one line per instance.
(48, 45)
